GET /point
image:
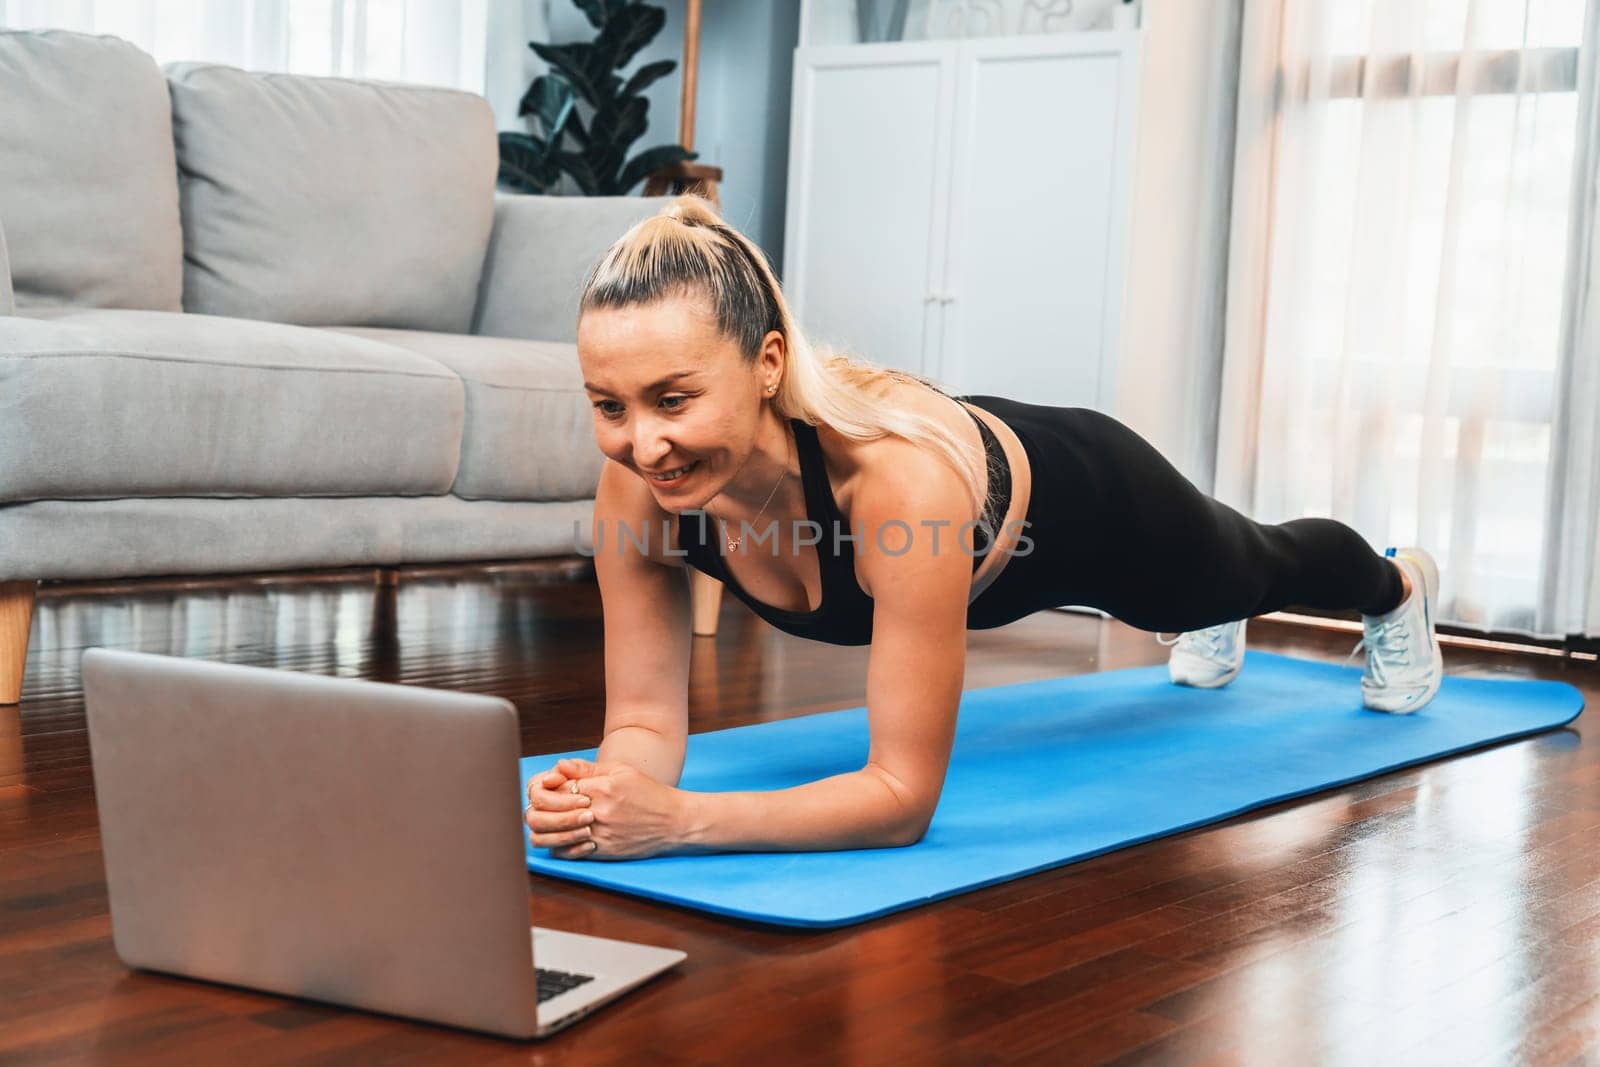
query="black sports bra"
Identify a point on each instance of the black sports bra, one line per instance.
(844, 614)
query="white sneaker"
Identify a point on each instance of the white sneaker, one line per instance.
(1404, 664)
(1207, 658)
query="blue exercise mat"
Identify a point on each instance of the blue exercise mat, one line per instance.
(1108, 760)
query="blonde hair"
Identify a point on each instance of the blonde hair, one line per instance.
(687, 250)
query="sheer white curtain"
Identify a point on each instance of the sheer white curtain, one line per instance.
(433, 42)
(1172, 312)
(1404, 268)
(1569, 598)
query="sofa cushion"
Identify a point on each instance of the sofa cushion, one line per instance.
(529, 433)
(323, 201)
(540, 254)
(105, 404)
(94, 539)
(88, 186)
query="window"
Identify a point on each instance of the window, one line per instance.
(1420, 239)
(434, 42)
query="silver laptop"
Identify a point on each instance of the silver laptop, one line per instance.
(340, 840)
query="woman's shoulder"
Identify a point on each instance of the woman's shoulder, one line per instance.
(854, 464)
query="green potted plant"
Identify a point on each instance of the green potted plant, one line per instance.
(594, 153)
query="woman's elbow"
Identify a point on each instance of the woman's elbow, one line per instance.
(912, 831)
(910, 814)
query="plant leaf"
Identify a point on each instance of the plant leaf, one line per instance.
(621, 125)
(596, 12)
(575, 62)
(550, 100)
(648, 162)
(603, 160)
(600, 12)
(581, 172)
(607, 167)
(649, 74)
(628, 31)
(525, 163)
(619, 116)
(575, 129)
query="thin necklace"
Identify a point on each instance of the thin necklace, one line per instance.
(735, 542)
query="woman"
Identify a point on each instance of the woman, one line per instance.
(853, 504)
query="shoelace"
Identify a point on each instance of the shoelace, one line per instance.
(1387, 645)
(1209, 640)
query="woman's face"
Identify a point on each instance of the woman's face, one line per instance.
(672, 396)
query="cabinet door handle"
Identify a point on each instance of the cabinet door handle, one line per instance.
(947, 298)
(931, 298)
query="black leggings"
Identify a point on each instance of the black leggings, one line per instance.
(1115, 526)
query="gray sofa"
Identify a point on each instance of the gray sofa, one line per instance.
(261, 322)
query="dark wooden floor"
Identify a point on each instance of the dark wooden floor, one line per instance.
(1447, 914)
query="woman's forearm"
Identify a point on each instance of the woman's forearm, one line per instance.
(855, 810)
(658, 756)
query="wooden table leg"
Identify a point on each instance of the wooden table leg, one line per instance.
(705, 601)
(16, 620)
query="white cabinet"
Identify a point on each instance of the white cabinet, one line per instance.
(959, 208)
(869, 176)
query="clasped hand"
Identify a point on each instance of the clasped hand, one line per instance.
(583, 810)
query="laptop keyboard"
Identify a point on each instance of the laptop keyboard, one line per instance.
(553, 982)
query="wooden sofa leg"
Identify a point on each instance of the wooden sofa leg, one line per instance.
(384, 634)
(705, 601)
(16, 619)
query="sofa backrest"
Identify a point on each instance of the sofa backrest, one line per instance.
(330, 201)
(88, 185)
(541, 253)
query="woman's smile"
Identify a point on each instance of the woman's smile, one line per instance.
(673, 478)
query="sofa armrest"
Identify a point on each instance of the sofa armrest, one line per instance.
(8, 303)
(540, 253)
